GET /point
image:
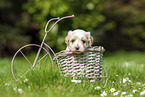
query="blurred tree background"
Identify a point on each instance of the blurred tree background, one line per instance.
(114, 24)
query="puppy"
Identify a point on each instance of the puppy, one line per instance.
(78, 40)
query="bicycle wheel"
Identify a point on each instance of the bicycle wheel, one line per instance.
(22, 61)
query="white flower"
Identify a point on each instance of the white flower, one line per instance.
(103, 94)
(113, 82)
(138, 83)
(76, 81)
(116, 93)
(25, 80)
(123, 93)
(7, 84)
(20, 91)
(134, 91)
(15, 88)
(73, 81)
(129, 81)
(112, 90)
(97, 87)
(124, 80)
(127, 78)
(92, 80)
(142, 93)
(143, 85)
(130, 95)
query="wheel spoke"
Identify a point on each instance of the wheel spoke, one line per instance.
(42, 58)
(26, 58)
(24, 73)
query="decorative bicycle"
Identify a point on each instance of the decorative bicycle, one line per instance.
(40, 48)
(87, 65)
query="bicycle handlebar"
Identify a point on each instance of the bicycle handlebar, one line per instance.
(58, 19)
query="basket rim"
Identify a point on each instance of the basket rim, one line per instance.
(89, 49)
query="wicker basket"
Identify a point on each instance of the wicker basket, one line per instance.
(87, 64)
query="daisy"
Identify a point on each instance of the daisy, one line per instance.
(15, 88)
(97, 87)
(7, 84)
(113, 82)
(143, 85)
(25, 80)
(134, 91)
(73, 81)
(129, 81)
(138, 83)
(112, 90)
(130, 95)
(76, 81)
(142, 93)
(127, 78)
(103, 94)
(124, 80)
(116, 93)
(92, 80)
(20, 91)
(123, 93)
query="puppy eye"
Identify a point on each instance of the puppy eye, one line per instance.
(72, 40)
(83, 41)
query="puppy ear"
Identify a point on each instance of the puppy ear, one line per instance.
(90, 38)
(70, 32)
(91, 41)
(67, 38)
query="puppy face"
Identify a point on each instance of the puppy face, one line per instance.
(78, 40)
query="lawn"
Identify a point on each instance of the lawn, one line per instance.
(126, 77)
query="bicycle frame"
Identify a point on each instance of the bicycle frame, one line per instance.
(58, 19)
(40, 47)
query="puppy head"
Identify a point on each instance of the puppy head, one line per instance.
(78, 40)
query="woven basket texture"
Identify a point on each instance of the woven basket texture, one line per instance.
(87, 64)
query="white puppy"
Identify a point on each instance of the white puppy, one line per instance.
(78, 40)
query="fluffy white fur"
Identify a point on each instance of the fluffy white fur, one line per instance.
(78, 40)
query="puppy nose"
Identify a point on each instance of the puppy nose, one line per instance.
(77, 47)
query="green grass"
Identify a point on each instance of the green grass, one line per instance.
(46, 81)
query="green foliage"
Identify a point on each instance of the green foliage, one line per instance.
(113, 24)
(12, 26)
(116, 22)
(87, 16)
(128, 20)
